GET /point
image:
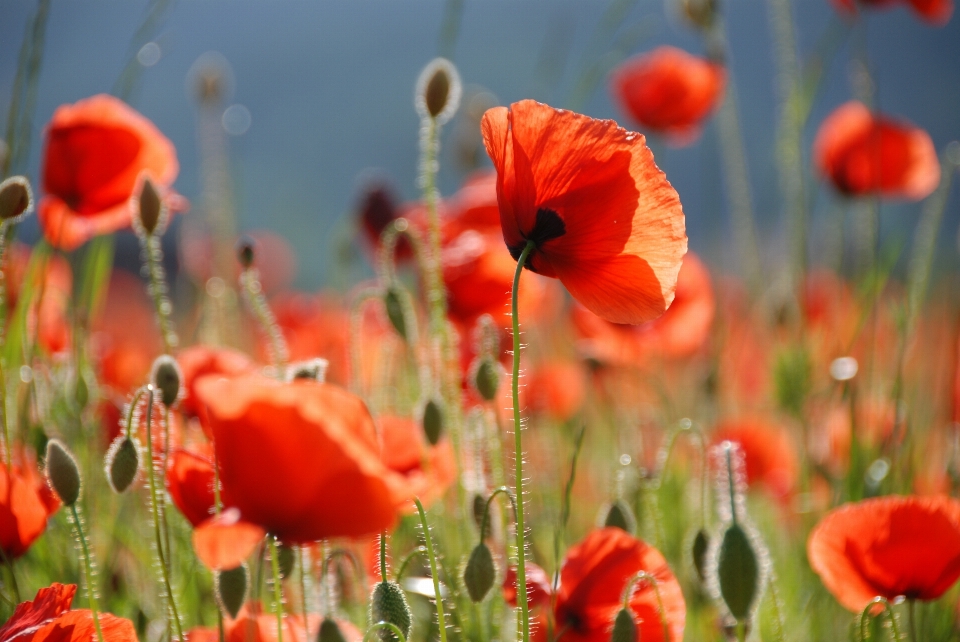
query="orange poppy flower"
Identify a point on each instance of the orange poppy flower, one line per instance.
(602, 216)
(48, 618)
(935, 12)
(225, 541)
(260, 627)
(198, 361)
(427, 471)
(680, 332)
(669, 91)
(26, 502)
(865, 154)
(190, 478)
(298, 458)
(313, 326)
(769, 453)
(594, 575)
(96, 150)
(557, 388)
(888, 546)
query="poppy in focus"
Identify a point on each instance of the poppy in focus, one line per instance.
(865, 154)
(599, 213)
(669, 91)
(48, 618)
(936, 12)
(888, 546)
(298, 458)
(95, 151)
(594, 575)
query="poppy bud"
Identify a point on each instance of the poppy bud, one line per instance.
(63, 475)
(166, 378)
(394, 306)
(81, 392)
(245, 251)
(479, 573)
(701, 13)
(330, 631)
(438, 90)
(620, 516)
(285, 560)
(624, 627)
(433, 421)
(122, 463)
(700, 544)
(230, 589)
(389, 604)
(314, 370)
(738, 572)
(479, 508)
(149, 206)
(16, 198)
(487, 378)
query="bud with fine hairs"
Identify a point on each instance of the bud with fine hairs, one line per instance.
(230, 589)
(149, 210)
(480, 572)
(433, 420)
(624, 627)
(330, 631)
(389, 604)
(16, 199)
(246, 251)
(63, 474)
(166, 377)
(122, 463)
(438, 90)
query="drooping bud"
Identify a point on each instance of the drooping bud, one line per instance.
(389, 604)
(230, 589)
(486, 379)
(16, 198)
(330, 631)
(122, 463)
(701, 543)
(62, 472)
(738, 572)
(149, 210)
(624, 627)
(246, 251)
(394, 305)
(285, 560)
(166, 378)
(433, 421)
(313, 370)
(479, 507)
(438, 90)
(479, 573)
(620, 516)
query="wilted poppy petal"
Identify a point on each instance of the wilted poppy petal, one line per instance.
(225, 541)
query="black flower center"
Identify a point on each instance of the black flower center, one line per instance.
(548, 226)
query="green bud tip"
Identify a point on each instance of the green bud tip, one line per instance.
(620, 516)
(230, 589)
(389, 604)
(700, 544)
(122, 463)
(438, 90)
(624, 627)
(433, 421)
(479, 573)
(330, 631)
(738, 572)
(63, 475)
(149, 206)
(487, 378)
(285, 559)
(246, 251)
(166, 378)
(16, 198)
(394, 306)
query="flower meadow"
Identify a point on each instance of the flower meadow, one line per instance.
(542, 418)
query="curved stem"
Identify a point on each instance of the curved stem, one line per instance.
(277, 589)
(866, 615)
(88, 571)
(385, 625)
(518, 451)
(644, 576)
(420, 550)
(687, 427)
(441, 621)
(486, 511)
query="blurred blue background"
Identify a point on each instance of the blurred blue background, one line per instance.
(329, 90)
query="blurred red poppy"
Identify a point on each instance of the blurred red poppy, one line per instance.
(936, 12)
(539, 590)
(557, 388)
(865, 154)
(96, 149)
(48, 618)
(225, 541)
(888, 546)
(769, 453)
(427, 471)
(680, 332)
(669, 91)
(190, 478)
(48, 324)
(200, 360)
(592, 580)
(26, 502)
(313, 325)
(298, 458)
(253, 626)
(602, 217)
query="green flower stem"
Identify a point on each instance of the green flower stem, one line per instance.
(518, 452)
(277, 589)
(88, 571)
(486, 510)
(303, 584)
(253, 292)
(385, 625)
(441, 621)
(158, 290)
(644, 576)
(155, 511)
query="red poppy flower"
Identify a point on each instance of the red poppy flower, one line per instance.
(603, 218)
(865, 154)
(225, 541)
(680, 332)
(888, 546)
(669, 91)
(557, 388)
(538, 586)
(26, 503)
(427, 471)
(190, 478)
(49, 324)
(96, 150)
(769, 453)
(935, 12)
(592, 580)
(252, 626)
(48, 618)
(313, 326)
(298, 458)
(200, 360)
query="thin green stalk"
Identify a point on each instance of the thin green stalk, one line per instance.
(486, 510)
(154, 510)
(419, 551)
(912, 611)
(253, 292)
(383, 556)
(88, 571)
(732, 487)
(644, 576)
(277, 589)
(385, 625)
(158, 291)
(518, 451)
(303, 584)
(441, 621)
(13, 576)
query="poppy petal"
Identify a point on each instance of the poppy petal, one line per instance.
(225, 541)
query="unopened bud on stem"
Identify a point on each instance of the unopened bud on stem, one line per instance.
(63, 475)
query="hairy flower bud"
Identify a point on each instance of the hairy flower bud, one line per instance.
(312, 369)
(230, 589)
(149, 207)
(62, 472)
(394, 305)
(479, 573)
(701, 542)
(122, 463)
(433, 421)
(486, 379)
(16, 198)
(438, 90)
(620, 516)
(389, 604)
(330, 631)
(246, 251)
(166, 378)
(624, 627)
(738, 572)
